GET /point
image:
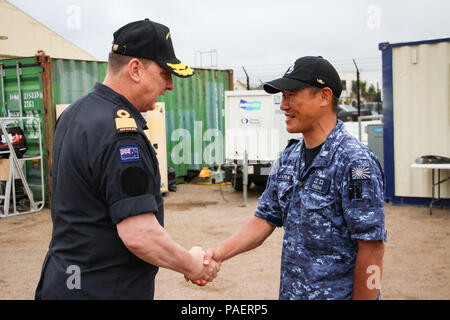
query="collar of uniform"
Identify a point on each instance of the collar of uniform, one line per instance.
(122, 102)
(330, 146)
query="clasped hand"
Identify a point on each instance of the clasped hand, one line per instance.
(205, 269)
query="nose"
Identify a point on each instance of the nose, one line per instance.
(169, 83)
(284, 105)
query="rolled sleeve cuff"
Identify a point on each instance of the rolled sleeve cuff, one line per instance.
(377, 234)
(270, 218)
(129, 207)
(367, 224)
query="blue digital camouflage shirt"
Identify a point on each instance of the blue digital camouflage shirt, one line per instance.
(324, 209)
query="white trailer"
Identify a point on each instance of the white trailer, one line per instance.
(254, 124)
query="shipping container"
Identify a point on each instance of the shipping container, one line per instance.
(194, 109)
(195, 126)
(416, 78)
(32, 87)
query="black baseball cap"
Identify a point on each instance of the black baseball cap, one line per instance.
(149, 40)
(305, 72)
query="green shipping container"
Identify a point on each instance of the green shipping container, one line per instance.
(195, 120)
(194, 109)
(32, 87)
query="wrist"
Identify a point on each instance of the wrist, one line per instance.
(220, 254)
(194, 262)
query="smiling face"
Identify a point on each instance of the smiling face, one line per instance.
(302, 109)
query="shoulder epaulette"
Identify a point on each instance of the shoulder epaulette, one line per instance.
(124, 123)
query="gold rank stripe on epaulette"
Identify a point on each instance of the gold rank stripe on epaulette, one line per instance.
(181, 69)
(124, 122)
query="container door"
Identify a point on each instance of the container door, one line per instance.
(23, 97)
(156, 123)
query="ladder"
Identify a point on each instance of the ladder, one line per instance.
(16, 169)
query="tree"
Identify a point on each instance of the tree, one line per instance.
(367, 94)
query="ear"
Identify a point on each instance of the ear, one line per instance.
(326, 96)
(134, 70)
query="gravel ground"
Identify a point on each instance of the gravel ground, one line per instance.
(415, 264)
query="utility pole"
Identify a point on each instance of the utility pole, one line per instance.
(248, 79)
(358, 96)
(378, 98)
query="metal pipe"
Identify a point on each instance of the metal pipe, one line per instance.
(41, 163)
(358, 94)
(19, 73)
(376, 117)
(245, 178)
(17, 165)
(2, 75)
(248, 79)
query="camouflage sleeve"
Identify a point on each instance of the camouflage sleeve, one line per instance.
(363, 200)
(268, 207)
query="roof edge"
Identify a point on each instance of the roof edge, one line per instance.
(386, 45)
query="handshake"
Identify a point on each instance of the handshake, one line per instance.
(205, 268)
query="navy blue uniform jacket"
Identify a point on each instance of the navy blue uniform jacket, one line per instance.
(104, 170)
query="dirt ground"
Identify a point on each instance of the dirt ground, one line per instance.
(416, 263)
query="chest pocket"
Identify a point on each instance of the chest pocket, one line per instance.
(318, 213)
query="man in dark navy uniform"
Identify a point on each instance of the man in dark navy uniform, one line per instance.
(107, 211)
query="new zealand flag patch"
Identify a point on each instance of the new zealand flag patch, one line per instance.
(129, 154)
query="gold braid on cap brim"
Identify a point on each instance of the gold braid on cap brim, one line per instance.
(181, 69)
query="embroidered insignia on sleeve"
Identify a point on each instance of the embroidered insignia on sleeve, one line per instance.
(360, 173)
(129, 154)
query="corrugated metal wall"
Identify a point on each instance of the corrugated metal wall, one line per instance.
(195, 120)
(421, 86)
(30, 103)
(72, 79)
(44, 83)
(194, 109)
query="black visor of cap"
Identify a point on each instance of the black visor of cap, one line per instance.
(307, 71)
(281, 84)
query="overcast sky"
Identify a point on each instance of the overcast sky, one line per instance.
(265, 37)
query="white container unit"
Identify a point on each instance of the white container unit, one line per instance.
(254, 123)
(416, 100)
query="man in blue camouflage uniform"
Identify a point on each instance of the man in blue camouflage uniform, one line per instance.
(326, 190)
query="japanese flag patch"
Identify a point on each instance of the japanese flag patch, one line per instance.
(360, 173)
(129, 154)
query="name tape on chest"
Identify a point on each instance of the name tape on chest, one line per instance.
(129, 154)
(284, 177)
(320, 185)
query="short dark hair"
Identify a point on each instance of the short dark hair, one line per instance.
(335, 102)
(117, 61)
